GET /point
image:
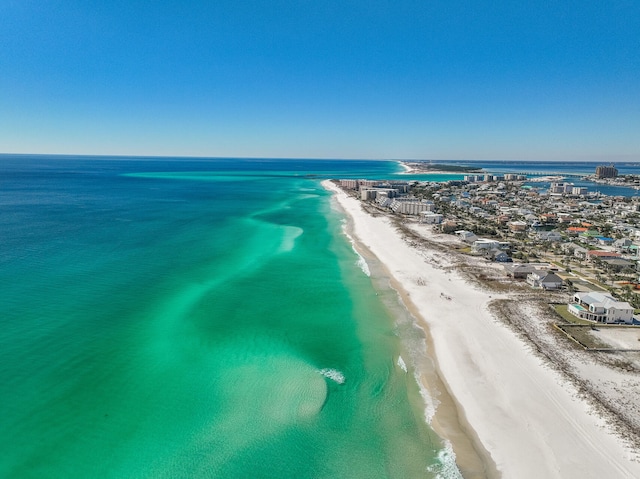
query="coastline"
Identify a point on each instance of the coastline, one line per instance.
(410, 169)
(491, 375)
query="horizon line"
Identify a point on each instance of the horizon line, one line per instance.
(293, 158)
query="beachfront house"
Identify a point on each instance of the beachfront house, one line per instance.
(466, 236)
(522, 270)
(498, 256)
(600, 307)
(431, 218)
(546, 280)
(482, 244)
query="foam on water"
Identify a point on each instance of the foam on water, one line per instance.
(446, 467)
(361, 263)
(333, 374)
(402, 364)
(430, 403)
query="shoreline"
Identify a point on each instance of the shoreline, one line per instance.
(415, 170)
(490, 373)
(440, 410)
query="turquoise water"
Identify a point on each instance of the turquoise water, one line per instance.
(195, 319)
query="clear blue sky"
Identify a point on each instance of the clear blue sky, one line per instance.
(322, 78)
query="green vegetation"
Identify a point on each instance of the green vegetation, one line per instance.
(561, 309)
(584, 336)
(452, 168)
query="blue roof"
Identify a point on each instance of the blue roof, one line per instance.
(604, 238)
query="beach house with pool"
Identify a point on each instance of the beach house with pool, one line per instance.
(600, 307)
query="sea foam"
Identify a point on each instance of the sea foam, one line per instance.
(446, 467)
(402, 364)
(333, 374)
(361, 263)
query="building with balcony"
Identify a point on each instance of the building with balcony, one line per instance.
(600, 307)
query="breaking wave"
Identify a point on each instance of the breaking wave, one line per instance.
(402, 364)
(446, 467)
(333, 374)
(361, 263)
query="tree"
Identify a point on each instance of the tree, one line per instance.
(570, 287)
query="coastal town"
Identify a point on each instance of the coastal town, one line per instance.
(558, 238)
(555, 263)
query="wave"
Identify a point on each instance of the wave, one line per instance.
(446, 467)
(402, 364)
(430, 403)
(333, 374)
(361, 262)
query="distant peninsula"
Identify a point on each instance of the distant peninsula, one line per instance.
(428, 167)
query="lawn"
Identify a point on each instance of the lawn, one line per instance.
(561, 309)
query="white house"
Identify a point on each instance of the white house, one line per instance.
(549, 236)
(466, 236)
(600, 307)
(484, 244)
(431, 218)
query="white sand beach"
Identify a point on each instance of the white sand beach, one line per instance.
(529, 419)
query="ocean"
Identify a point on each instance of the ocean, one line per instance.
(202, 318)
(182, 318)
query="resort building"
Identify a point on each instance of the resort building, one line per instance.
(514, 177)
(600, 307)
(367, 194)
(351, 184)
(368, 183)
(411, 206)
(560, 188)
(606, 171)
